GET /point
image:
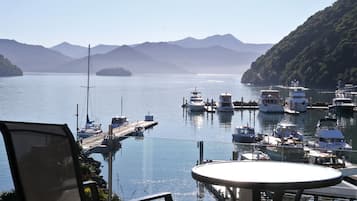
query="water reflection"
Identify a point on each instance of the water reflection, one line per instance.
(268, 121)
(196, 119)
(225, 119)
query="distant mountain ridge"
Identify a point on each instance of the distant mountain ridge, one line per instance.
(77, 51)
(133, 61)
(318, 53)
(32, 58)
(197, 59)
(211, 55)
(227, 41)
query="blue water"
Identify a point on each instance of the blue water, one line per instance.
(162, 161)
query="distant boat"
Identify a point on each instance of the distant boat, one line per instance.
(244, 134)
(341, 104)
(296, 102)
(328, 136)
(196, 103)
(91, 128)
(119, 121)
(270, 101)
(225, 103)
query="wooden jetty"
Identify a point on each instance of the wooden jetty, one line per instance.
(95, 142)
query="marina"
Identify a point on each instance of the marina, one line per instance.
(160, 161)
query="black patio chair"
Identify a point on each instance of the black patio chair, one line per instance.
(43, 159)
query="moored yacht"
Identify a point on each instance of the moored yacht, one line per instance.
(288, 131)
(341, 104)
(196, 103)
(91, 128)
(296, 101)
(270, 101)
(225, 103)
(286, 143)
(244, 134)
(119, 121)
(328, 136)
(328, 159)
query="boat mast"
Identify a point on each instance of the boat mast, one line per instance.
(121, 106)
(88, 72)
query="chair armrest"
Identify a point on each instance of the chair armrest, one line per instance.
(166, 195)
(92, 185)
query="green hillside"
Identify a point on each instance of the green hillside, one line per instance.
(7, 68)
(318, 53)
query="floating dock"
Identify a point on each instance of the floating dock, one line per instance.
(253, 105)
(95, 142)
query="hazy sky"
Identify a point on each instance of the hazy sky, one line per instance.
(49, 22)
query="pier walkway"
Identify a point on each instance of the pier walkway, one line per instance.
(96, 141)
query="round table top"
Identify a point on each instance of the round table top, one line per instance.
(266, 175)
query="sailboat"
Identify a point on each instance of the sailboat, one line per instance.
(91, 128)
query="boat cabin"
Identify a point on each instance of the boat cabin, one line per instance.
(118, 121)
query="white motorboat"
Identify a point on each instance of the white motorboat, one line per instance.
(296, 102)
(244, 134)
(225, 103)
(255, 155)
(119, 121)
(196, 103)
(270, 101)
(341, 104)
(288, 131)
(90, 128)
(328, 136)
(328, 159)
(286, 143)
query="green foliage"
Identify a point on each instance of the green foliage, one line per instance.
(8, 196)
(7, 68)
(318, 53)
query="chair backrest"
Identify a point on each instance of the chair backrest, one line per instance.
(43, 161)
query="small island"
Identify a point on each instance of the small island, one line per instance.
(8, 69)
(114, 72)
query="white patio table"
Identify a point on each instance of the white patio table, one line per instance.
(253, 177)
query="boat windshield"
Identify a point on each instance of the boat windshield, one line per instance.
(246, 131)
(343, 101)
(327, 123)
(331, 140)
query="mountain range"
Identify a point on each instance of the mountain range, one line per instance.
(32, 58)
(318, 53)
(219, 54)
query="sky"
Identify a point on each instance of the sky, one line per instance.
(118, 22)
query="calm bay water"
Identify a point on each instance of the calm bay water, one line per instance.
(162, 161)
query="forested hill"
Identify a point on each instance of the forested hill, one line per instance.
(7, 68)
(318, 53)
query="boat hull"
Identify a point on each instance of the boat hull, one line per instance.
(269, 108)
(243, 138)
(285, 153)
(196, 108)
(225, 109)
(348, 110)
